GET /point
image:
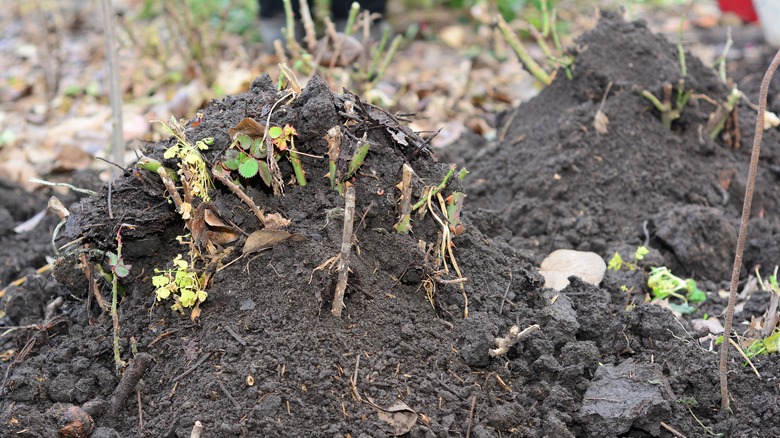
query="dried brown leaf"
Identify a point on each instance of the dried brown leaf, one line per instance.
(266, 238)
(399, 416)
(248, 126)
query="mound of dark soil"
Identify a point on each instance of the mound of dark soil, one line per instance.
(557, 183)
(267, 358)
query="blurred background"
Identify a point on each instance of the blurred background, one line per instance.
(444, 60)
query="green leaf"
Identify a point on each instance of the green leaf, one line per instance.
(113, 259)
(232, 159)
(772, 342)
(695, 295)
(248, 167)
(244, 141)
(258, 148)
(641, 252)
(180, 263)
(122, 270)
(275, 132)
(162, 293)
(684, 308)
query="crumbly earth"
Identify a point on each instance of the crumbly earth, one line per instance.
(267, 358)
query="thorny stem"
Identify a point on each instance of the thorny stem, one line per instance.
(308, 25)
(751, 183)
(222, 176)
(289, 31)
(434, 190)
(511, 38)
(388, 58)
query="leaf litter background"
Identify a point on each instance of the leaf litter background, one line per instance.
(301, 361)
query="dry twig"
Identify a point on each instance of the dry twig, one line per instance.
(750, 186)
(346, 250)
(513, 337)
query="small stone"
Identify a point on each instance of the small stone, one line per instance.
(75, 423)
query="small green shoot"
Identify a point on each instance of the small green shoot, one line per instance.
(722, 114)
(454, 209)
(357, 159)
(665, 285)
(617, 263)
(182, 283)
(333, 138)
(771, 343)
(670, 111)
(435, 189)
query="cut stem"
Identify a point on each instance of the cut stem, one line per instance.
(295, 160)
(357, 159)
(404, 223)
(346, 250)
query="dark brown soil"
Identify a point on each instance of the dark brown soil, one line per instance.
(594, 369)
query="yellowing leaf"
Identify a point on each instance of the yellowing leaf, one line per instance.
(160, 280)
(187, 298)
(162, 293)
(180, 263)
(171, 152)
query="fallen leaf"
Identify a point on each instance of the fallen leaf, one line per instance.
(399, 416)
(248, 126)
(207, 227)
(274, 221)
(600, 122)
(265, 239)
(399, 137)
(71, 157)
(350, 50)
(563, 263)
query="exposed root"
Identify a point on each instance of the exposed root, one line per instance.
(513, 337)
